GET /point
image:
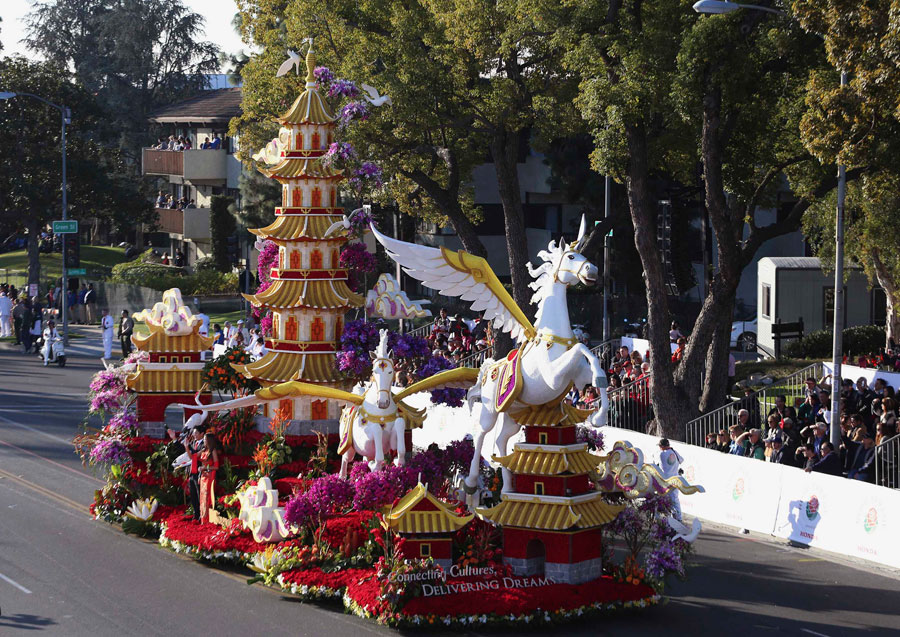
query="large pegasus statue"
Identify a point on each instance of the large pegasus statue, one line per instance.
(548, 360)
(374, 422)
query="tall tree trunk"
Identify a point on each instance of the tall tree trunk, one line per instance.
(670, 405)
(892, 300)
(34, 253)
(715, 384)
(505, 151)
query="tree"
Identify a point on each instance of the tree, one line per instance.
(666, 91)
(30, 160)
(859, 126)
(222, 226)
(468, 81)
(134, 55)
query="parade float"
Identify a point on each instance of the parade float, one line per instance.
(550, 528)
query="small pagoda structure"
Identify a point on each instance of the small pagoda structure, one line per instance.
(173, 372)
(309, 294)
(552, 517)
(427, 525)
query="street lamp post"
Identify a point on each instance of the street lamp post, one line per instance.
(66, 117)
(725, 6)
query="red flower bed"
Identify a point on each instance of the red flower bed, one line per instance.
(336, 527)
(288, 486)
(315, 577)
(238, 462)
(143, 444)
(515, 601)
(293, 468)
(142, 475)
(254, 437)
(209, 537)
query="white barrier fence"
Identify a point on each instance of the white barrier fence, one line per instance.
(869, 373)
(844, 516)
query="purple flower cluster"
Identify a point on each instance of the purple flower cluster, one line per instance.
(106, 380)
(108, 401)
(360, 221)
(340, 153)
(663, 559)
(265, 324)
(342, 88)
(355, 257)
(407, 346)
(368, 174)
(358, 339)
(352, 111)
(323, 75)
(123, 424)
(450, 396)
(267, 259)
(329, 494)
(458, 455)
(379, 488)
(593, 437)
(109, 452)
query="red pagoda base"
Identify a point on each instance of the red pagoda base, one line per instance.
(569, 557)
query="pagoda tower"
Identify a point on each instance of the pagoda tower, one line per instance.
(309, 295)
(551, 519)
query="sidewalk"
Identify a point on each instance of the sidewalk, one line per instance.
(90, 345)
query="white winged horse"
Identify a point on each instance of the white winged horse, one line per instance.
(374, 423)
(549, 360)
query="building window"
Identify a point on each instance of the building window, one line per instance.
(315, 260)
(163, 359)
(338, 328)
(766, 300)
(286, 406)
(317, 329)
(542, 438)
(425, 550)
(290, 329)
(297, 200)
(316, 138)
(319, 409)
(295, 259)
(316, 198)
(538, 488)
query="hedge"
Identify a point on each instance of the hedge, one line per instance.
(858, 340)
(162, 277)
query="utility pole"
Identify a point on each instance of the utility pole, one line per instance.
(606, 200)
(838, 342)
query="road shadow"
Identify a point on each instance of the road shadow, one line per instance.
(24, 621)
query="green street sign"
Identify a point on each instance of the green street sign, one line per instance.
(65, 227)
(76, 272)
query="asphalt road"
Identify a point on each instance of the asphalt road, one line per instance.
(62, 573)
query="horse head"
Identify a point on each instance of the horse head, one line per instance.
(563, 263)
(382, 371)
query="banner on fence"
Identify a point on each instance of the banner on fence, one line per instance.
(870, 374)
(844, 516)
(640, 344)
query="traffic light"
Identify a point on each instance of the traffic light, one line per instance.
(234, 249)
(71, 250)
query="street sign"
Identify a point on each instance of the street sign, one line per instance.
(76, 272)
(65, 227)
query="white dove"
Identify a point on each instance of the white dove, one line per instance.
(688, 534)
(374, 98)
(293, 61)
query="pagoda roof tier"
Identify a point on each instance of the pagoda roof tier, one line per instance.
(161, 342)
(309, 108)
(550, 460)
(165, 381)
(295, 168)
(300, 227)
(551, 513)
(556, 412)
(318, 295)
(420, 512)
(280, 367)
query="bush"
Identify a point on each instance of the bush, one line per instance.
(858, 340)
(206, 263)
(162, 277)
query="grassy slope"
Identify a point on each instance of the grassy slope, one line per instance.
(92, 258)
(141, 328)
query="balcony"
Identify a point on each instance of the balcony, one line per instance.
(192, 165)
(191, 223)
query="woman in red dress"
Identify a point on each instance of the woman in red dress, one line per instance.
(209, 464)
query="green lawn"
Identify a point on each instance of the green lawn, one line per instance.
(95, 259)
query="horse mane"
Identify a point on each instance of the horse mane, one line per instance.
(543, 274)
(382, 350)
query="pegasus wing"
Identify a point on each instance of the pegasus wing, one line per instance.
(461, 377)
(463, 275)
(290, 389)
(371, 90)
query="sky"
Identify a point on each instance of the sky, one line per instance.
(217, 14)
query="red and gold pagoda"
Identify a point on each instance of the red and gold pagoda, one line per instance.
(309, 294)
(552, 517)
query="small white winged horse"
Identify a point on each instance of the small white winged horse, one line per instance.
(373, 423)
(550, 358)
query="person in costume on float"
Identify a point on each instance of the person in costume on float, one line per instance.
(106, 329)
(669, 461)
(209, 465)
(194, 448)
(50, 334)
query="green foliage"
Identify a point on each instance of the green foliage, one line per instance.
(221, 376)
(162, 277)
(856, 341)
(141, 528)
(205, 263)
(222, 226)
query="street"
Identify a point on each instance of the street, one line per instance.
(61, 573)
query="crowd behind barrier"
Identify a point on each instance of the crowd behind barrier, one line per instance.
(849, 517)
